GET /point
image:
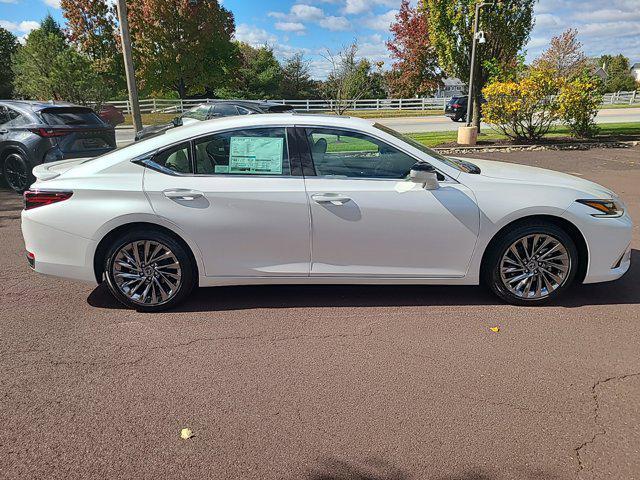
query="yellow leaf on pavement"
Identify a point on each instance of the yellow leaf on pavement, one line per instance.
(186, 434)
(495, 329)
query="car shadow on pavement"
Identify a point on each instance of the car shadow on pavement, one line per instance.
(623, 291)
(376, 469)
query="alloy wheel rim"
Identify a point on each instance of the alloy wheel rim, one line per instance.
(535, 266)
(15, 174)
(147, 272)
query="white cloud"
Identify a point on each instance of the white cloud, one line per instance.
(8, 1)
(52, 3)
(290, 27)
(335, 24)
(355, 7)
(306, 12)
(23, 27)
(381, 22)
(300, 13)
(254, 36)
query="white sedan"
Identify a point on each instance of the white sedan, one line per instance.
(289, 198)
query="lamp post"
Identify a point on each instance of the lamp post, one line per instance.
(128, 65)
(476, 36)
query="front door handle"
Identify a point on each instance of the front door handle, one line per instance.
(3, 130)
(332, 198)
(183, 194)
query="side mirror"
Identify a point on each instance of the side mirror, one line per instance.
(424, 174)
(177, 122)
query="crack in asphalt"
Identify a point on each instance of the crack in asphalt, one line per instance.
(596, 415)
(101, 361)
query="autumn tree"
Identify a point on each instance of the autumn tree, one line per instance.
(92, 28)
(415, 68)
(296, 78)
(182, 45)
(506, 24)
(8, 47)
(564, 56)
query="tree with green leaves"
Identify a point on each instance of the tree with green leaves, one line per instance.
(50, 27)
(92, 28)
(182, 45)
(350, 78)
(8, 47)
(47, 68)
(258, 75)
(618, 69)
(506, 25)
(296, 78)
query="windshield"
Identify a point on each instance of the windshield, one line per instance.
(462, 165)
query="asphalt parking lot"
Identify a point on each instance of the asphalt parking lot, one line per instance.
(343, 383)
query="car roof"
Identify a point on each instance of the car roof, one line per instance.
(36, 105)
(245, 103)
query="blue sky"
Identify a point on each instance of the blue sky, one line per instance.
(313, 26)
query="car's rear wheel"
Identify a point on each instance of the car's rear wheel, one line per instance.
(149, 271)
(532, 264)
(17, 172)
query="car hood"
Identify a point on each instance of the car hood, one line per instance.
(539, 176)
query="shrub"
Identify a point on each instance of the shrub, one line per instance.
(578, 101)
(523, 109)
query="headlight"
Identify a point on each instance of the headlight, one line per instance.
(607, 208)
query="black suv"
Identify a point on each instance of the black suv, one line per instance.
(32, 133)
(456, 108)
(216, 109)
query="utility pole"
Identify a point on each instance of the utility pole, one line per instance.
(128, 65)
(476, 21)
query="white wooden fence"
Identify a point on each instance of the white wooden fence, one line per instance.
(158, 105)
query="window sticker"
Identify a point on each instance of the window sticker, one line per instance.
(221, 169)
(256, 155)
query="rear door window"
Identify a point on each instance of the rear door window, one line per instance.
(177, 159)
(70, 116)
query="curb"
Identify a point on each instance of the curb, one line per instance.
(533, 148)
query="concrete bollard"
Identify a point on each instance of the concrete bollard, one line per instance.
(467, 135)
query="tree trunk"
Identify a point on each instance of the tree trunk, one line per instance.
(182, 89)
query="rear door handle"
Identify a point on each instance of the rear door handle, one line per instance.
(4, 130)
(183, 194)
(332, 198)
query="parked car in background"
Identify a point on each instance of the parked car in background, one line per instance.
(215, 109)
(241, 200)
(456, 108)
(32, 133)
(111, 115)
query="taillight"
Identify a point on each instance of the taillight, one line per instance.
(37, 198)
(456, 105)
(50, 132)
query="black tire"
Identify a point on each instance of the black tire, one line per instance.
(187, 270)
(491, 273)
(16, 171)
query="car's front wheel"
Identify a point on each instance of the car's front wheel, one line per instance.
(149, 271)
(531, 264)
(17, 172)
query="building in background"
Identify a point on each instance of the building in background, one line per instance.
(452, 87)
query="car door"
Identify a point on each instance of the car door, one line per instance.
(368, 220)
(240, 196)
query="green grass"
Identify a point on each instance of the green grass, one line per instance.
(607, 130)
(619, 105)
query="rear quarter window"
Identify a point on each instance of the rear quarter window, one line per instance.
(70, 116)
